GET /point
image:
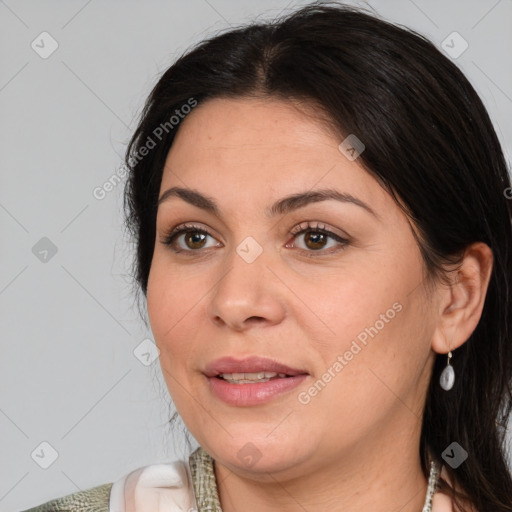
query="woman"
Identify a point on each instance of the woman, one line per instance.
(324, 242)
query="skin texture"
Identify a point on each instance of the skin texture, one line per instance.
(302, 302)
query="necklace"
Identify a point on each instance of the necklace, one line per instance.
(431, 488)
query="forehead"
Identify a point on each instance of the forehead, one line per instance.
(261, 148)
(248, 126)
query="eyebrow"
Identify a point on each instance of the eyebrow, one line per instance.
(280, 207)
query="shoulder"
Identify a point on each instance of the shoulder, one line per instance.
(95, 499)
(155, 488)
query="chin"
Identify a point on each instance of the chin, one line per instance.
(258, 454)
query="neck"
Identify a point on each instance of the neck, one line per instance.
(377, 476)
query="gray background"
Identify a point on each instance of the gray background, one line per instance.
(69, 376)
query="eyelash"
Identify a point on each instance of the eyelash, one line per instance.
(169, 238)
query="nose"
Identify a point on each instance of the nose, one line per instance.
(247, 294)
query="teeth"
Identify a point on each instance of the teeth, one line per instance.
(241, 378)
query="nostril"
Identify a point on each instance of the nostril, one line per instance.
(255, 319)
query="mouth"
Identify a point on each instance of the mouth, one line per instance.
(251, 378)
(243, 392)
(250, 369)
(251, 381)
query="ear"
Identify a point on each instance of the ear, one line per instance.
(461, 303)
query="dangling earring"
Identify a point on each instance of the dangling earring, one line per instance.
(447, 375)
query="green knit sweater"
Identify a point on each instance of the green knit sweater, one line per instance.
(91, 500)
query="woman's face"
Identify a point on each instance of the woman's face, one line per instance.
(348, 308)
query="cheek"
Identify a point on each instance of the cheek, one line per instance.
(164, 307)
(368, 316)
(384, 359)
(174, 303)
(337, 306)
(164, 312)
(156, 300)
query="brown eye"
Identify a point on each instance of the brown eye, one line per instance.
(195, 239)
(315, 240)
(187, 238)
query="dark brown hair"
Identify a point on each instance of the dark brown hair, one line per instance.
(428, 139)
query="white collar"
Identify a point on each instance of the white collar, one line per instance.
(155, 488)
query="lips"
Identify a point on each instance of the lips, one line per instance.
(252, 364)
